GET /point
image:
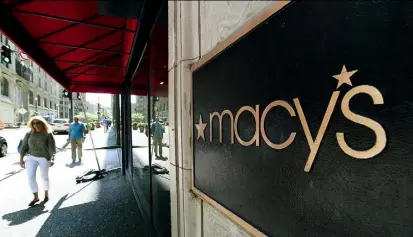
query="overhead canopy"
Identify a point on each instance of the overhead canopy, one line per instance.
(87, 46)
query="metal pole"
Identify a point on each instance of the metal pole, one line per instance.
(90, 133)
(123, 132)
(150, 132)
(127, 154)
(71, 109)
(98, 109)
(117, 118)
(128, 128)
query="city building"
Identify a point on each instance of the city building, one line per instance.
(27, 89)
(161, 109)
(92, 108)
(140, 105)
(63, 109)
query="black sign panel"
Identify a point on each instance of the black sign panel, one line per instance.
(315, 106)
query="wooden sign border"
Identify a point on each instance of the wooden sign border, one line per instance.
(238, 34)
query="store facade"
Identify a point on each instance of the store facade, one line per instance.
(293, 107)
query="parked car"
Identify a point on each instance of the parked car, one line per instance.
(3, 147)
(60, 125)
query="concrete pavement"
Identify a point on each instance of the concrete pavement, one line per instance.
(17, 220)
(100, 208)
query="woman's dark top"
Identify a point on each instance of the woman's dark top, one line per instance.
(39, 144)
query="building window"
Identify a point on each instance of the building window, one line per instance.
(38, 100)
(4, 87)
(51, 105)
(31, 98)
(45, 103)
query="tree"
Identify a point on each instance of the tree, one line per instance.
(137, 118)
(90, 117)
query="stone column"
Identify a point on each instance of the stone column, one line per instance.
(183, 51)
(194, 28)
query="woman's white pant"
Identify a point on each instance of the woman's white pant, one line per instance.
(32, 162)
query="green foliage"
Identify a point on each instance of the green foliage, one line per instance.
(137, 118)
(90, 117)
(91, 126)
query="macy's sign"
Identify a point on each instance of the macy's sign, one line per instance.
(314, 143)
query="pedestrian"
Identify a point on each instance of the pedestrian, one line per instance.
(157, 133)
(105, 123)
(76, 135)
(38, 150)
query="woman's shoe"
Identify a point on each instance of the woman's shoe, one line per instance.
(46, 199)
(33, 202)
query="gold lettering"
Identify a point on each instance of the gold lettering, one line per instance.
(381, 139)
(220, 116)
(314, 145)
(256, 114)
(264, 115)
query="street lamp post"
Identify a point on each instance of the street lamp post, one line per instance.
(36, 102)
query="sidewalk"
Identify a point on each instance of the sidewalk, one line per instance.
(108, 158)
(101, 208)
(100, 139)
(140, 176)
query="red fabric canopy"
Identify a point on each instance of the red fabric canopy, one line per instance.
(91, 50)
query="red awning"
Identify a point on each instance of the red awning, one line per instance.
(83, 50)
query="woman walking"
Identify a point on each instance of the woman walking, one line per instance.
(39, 148)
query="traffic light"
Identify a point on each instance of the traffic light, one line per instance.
(5, 54)
(66, 94)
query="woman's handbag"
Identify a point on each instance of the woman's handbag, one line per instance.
(19, 147)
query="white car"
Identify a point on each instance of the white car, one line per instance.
(60, 125)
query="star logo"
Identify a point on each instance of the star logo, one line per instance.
(201, 128)
(344, 77)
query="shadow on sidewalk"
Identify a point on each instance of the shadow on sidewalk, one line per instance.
(100, 208)
(25, 215)
(11, 174)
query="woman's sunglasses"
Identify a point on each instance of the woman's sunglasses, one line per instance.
(37, 123)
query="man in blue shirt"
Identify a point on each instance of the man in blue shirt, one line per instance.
(105, 123)
(76, 135)
(157, 132)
